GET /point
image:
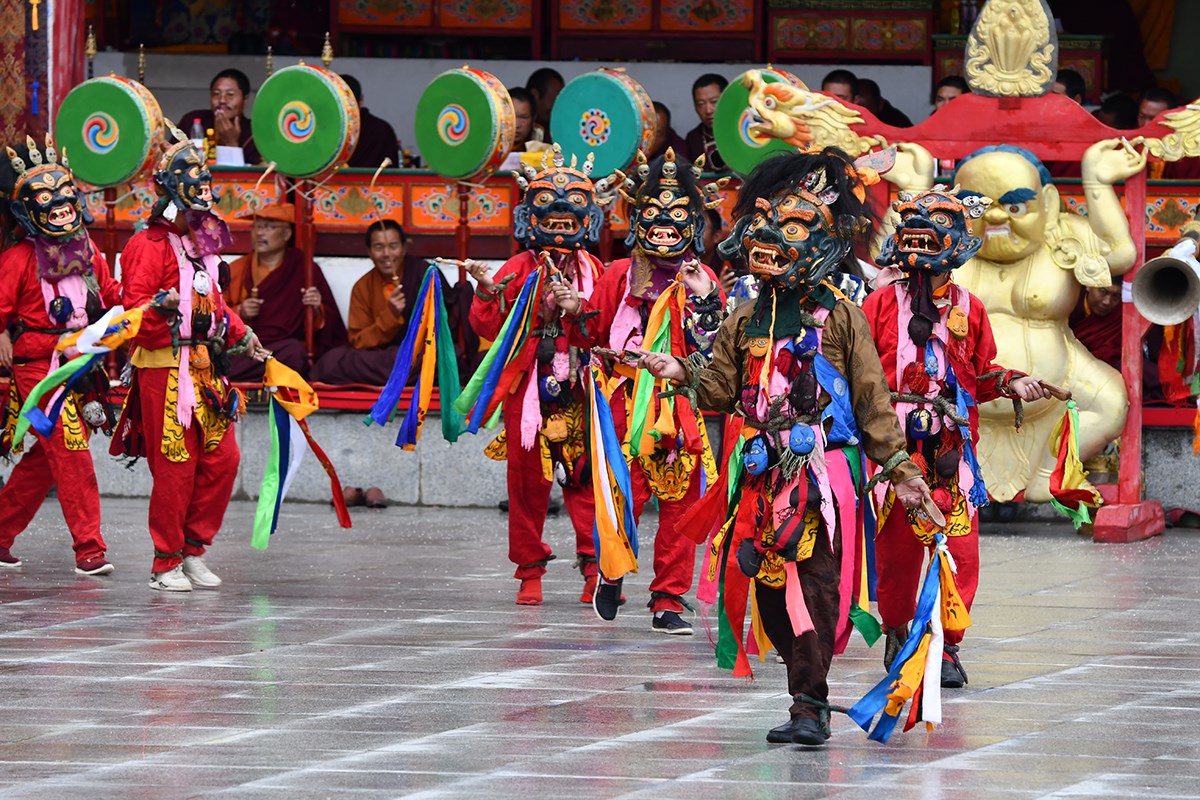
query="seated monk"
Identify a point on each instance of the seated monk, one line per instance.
(266, 289)
(1096, 322)
(378, 315)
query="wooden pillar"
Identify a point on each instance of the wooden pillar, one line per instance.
(306, 240)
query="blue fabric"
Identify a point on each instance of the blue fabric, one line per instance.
(844, 430)
(44, 423)
(381, 413)
(283, 430)
(507, 348)
(874, 701)
(617, 463)
(978, 493)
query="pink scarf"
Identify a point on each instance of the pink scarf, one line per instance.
(185, 408)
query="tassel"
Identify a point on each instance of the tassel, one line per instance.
(1196, 430)
(1070, 492)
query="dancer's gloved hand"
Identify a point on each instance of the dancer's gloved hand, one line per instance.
(912, 492)
(662, 365)
(565, 297)
(1028, 389)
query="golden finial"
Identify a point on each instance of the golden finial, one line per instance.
(142, 64)
(89, 50)
(327, 51)
(1012, 50)
(270, 60)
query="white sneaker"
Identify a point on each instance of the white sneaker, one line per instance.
(200, 575)
(170, 581)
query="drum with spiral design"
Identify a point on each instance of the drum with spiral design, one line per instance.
(606, 113)
(465, 124)
(111, 129)
(306, 120)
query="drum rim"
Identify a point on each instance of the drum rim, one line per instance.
(503, 118)
(349, 128)
(153, 126)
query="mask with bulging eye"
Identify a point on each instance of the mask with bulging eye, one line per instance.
(934, 232)
(184, 178)
(558, 212)
(789, 240)
(667, 225)
(45, 200)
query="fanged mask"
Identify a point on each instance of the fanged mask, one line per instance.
(933, 232)
(45, 200)
(559, 211)
(790, 240)
(184, 178)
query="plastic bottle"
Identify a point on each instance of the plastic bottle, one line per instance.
(198, 134)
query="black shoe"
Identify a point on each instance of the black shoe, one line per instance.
(896, 637)
(749, 559)
(553, 508)
(503, 505)
(953, 674)
(671, 622)
(783, 734)
(607, 600)
(806, 730)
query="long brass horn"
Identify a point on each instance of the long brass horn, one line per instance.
(1166, 290)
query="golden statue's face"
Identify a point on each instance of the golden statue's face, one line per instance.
(1014, 225)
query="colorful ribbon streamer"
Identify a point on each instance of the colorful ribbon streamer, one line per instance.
(615, 528)
(1070, 491)
(291, 401)
(484, 393)
(116, 327)
(916, 671)
(429, 342)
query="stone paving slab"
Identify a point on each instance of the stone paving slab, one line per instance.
(390, 661)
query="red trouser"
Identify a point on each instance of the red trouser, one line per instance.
(46, 463)
(188, 500)
(898, 561)
(674, 553)
(529, 498)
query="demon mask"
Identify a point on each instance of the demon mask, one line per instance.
(560, 210)
(45, 200)
(182, 177)
(668, 205)
(934, 231)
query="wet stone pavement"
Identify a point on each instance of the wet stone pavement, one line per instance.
(390, 661)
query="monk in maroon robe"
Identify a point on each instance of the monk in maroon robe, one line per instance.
(267, 290)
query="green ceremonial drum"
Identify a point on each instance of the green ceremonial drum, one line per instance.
(306, 120)
(741, 150)
(465, 124)
(607, 113)
(111, 130)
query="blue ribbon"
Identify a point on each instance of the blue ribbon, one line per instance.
(964, 402)
(381, 413)
(844, 429)
(283, 434)
(43, 423)
(511, 336)
(874, 701)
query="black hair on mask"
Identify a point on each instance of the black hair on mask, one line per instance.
(782, 174)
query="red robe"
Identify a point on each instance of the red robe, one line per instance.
(528, 489)
(674, 553)
(899, 552)
(189, 496)
(50, 460)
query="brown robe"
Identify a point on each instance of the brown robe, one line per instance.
(375, 337)
(280, 321)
